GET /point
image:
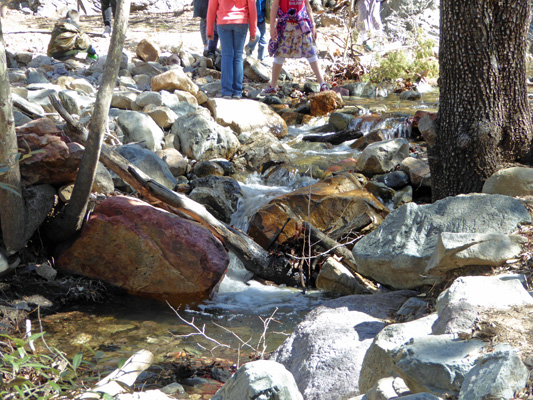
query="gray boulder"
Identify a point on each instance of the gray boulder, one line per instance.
(261, 379)
(74, 102)
(516, 181)
(139, 127)
(382, 157)
(397, 252)
(335, 337)
(219, 194)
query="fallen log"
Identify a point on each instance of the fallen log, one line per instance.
(254, 257)
(334, 138)
(327, 244)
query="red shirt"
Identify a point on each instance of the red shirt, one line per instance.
(285, 5)
(231, 12)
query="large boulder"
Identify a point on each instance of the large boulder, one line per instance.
(139, 127)
(398, 251)
(324, 103)
(172, 80)
(147, 251)
(328, 204)
(219, 194)
(326, 350)
(382, 157)
(263, 379)
(201, 138)
(247, 116)
(515, 181)
(259, 152)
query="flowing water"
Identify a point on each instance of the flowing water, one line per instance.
(241, 307)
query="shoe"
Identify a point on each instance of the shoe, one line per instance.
(269, 90)
(107, 31)
(226, 97)
(237, 96)
(324, 87)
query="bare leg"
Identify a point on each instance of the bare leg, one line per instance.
(276, 70)
(316, 69)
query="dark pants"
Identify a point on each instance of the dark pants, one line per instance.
(108, 10)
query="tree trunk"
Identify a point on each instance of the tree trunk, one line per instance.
(484, 117)
(69, 222)
(12, 210)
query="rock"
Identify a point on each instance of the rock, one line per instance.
(149, 163)
(418, 170)
(459, 305)
(396, 255)
(54, 158)
(34, 76)
(335, 337)
(324, 103)
(123, 100)
(515, 181)
(394, 179)
(139, 127)
(201, 138)
(384, 193)
(177, 164)
(153, 394)
(372, 137)
(151, 69)
(247, 116)
(411, 95)
(382, 157)
(336, 278)
(459, 250)
(259, 152)
(83, 85)
(255, 70)
(340, 121)
(437, 364)
(328, 204)
(187, 97)
(103, 181)
(148, 98)
(147, 50)
(163, 116)
(292, 118)
(387, 388)
(428, 130)
(219, 194)
(496, 375)
(203, 169)
(46, 271)
(331, 20)
(172, 80)
(147, 251)
(262, 379)
(378, 362)
(26, 106)
(74, 103)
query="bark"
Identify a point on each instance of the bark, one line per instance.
(71, 220)
(484, 117)
(254, 257)
(12, 209)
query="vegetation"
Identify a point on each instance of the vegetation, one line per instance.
(408, 66)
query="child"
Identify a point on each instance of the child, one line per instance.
(261, 27)
(68, 40)
(233, 18)
(292, 35)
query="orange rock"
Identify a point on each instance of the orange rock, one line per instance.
(324, 103)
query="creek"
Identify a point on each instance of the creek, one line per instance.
(119, 328)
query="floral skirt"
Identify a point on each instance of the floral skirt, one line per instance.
(295, 44)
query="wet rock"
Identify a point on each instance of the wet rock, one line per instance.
(172, 80)
(201, 138)
(139, 127)
(247, 117)
(372, 137)
(324, 103)
(219, 194)
(396, 255)
(328, 204)
(147, 251)
(335, 336)
(394, 179)
(147, 50)
(418, 170)
(411, 95)
(260, 379)
(259, 152)
(515, 181)
(292, 118)
(340, 121)
(381, 191)
(382, 157)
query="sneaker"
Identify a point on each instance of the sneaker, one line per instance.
(107, 31)
(269, 90)
(226, 97)
(237, 96)
(324, 87)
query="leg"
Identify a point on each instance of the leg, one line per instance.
(239, 38)
(313, 61)
(212, 44)
(262, 40)
(107, 12)
(225, 33)
(203, 31)
(276, 70)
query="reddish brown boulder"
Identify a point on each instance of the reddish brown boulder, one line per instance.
(324, 103)
(147, 251)
(49, 157)
(328, 204)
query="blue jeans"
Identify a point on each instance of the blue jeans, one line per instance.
(232, 38)
(260, 41)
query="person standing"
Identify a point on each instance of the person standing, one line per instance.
(200, 11)
(108, 13)
(369, 21)
(261, 27)
(233, 17)
(292, 35)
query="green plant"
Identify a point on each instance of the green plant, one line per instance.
(409, 67)
(27, 375)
